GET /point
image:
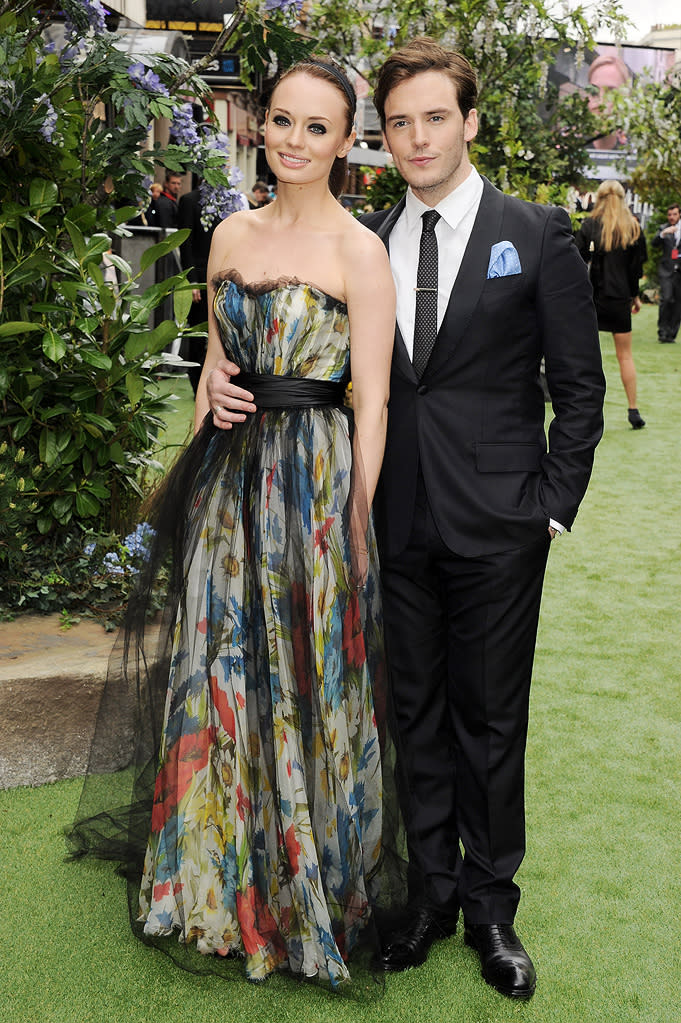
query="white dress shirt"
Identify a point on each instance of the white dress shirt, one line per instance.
(453, 230)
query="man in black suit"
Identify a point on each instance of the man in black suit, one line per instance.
(668, 238)
(194, 253)
(166, 204)
(470, 497)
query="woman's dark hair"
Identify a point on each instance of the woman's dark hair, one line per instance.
(326, 69)
(424, 54)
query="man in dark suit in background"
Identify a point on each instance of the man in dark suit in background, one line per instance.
(668, 238)
(166, 204)
(470, 498)
(194, 258)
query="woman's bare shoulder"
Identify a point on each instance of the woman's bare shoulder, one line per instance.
(230, 234)
(363, 247)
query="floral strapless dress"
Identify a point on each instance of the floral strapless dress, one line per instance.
(266, 822)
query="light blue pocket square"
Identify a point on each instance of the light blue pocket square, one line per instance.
(503, 261)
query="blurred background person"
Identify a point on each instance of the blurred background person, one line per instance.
(611, 241)
(194, 258)
(166, 204)
(259, 195)
(607, 72)
(668, 238)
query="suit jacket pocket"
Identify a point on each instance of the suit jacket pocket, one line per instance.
(511, 281)
(508, 457)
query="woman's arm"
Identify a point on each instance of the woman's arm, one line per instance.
(370, 293)
(221, 247)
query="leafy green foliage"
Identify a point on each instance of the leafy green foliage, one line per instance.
(76, 572)
(386, 188)
(524, 139)
(80, 406)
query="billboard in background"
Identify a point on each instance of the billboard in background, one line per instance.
(604, 68)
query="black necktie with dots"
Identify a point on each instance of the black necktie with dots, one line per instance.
(425, 320)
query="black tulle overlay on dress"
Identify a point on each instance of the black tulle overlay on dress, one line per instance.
(241, 771)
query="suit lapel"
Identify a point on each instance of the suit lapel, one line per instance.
(400, 354)
(471, 277)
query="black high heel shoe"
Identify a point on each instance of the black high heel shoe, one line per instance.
(636, 419)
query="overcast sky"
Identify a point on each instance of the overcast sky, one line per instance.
(646, 13)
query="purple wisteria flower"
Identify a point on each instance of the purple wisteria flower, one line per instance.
(111, 563)
(133, 550)
(219, 201)
(283, 5)
(184, 130)
(138, 543)
(96, 14)
(147, 79)
(48, 126)
(74, 47)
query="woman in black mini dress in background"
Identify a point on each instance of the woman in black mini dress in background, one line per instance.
(612, 241)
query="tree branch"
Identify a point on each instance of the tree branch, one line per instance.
(217, 47)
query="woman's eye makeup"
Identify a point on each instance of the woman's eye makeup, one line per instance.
(284, 122)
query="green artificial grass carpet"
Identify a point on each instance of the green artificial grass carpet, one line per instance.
(601, 906)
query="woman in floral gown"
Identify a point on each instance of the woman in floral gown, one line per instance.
(265, 834)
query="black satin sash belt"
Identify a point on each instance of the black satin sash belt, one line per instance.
(290, 392)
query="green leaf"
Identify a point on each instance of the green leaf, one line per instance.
(77, 239)
(123, 214)
(71, 453)
(152, 341)
(117, 454)
(42, 195)
(44, 523)
(54, 347)
(83, 216)
(135, 387)
(47, 447)
(101, 421)
(62, 504)
(22, 428)
(86, 504)
(98, 489)
(97, 359)
(63, 440)
(120, 264)
(182, 303)
(82, 393)
(13, 327)
(97, 245)
(4, 381)
(168, 244)
(57, 410)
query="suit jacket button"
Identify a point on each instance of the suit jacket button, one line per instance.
(422, 389)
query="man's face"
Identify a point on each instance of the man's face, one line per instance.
(174, 185)
(673, 216)
(427, 134)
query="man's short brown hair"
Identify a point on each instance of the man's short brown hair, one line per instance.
(424, 54)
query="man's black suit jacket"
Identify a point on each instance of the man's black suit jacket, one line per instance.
(194, 251)
(474, 423)
(667, 266)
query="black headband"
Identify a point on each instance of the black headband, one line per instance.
(340, 78)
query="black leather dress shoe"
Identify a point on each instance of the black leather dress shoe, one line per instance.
(410, 944)
(505, 963)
